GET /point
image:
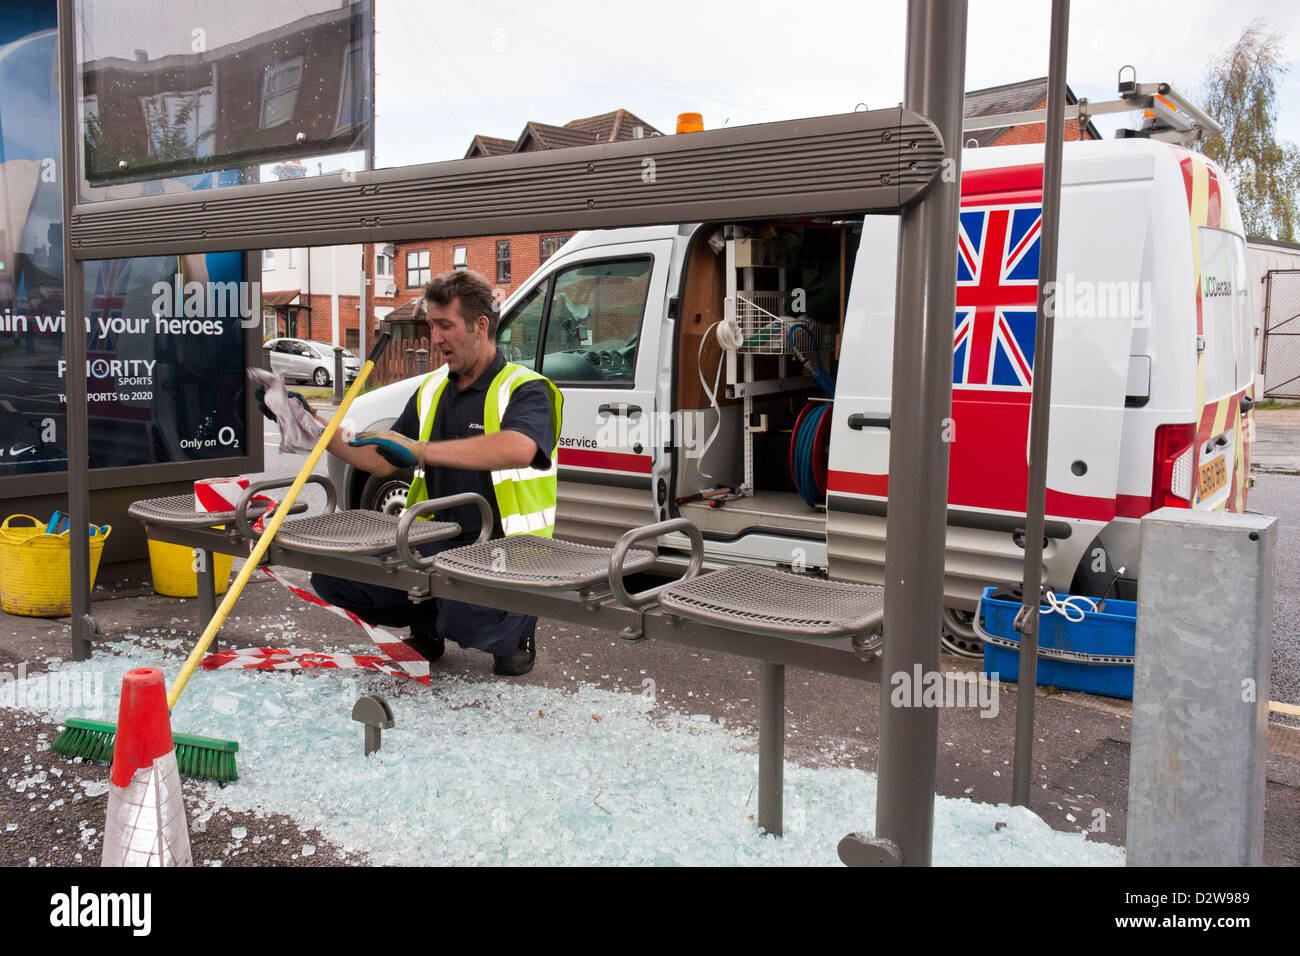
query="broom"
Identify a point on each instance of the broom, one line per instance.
(209, 757)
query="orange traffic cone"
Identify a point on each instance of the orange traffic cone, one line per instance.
(146, 815)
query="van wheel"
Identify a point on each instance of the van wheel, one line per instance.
(957, 633)
(387, 494)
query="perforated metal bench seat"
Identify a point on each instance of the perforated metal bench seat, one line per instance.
(778, 603)
(177, 511)
(357, 532)
(530, 561)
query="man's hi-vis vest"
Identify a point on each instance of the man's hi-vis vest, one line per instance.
(525, 496)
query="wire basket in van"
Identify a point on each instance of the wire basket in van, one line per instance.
(765, 324)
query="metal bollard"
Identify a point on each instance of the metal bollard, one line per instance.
(338, 373)
(266, 359)
(1200, 689)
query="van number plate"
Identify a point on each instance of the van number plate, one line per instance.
(1214, 475)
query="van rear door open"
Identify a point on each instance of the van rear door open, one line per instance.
(1105, 203)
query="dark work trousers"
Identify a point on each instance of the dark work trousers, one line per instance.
(469, 625)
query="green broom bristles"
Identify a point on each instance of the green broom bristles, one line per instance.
(205, 757)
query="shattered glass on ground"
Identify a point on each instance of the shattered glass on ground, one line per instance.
(500, 773)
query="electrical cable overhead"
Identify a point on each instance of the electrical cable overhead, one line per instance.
(621, 66)
(464, 76)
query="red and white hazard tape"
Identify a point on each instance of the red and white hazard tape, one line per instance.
(399, 660)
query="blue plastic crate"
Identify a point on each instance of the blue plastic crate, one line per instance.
(1092, 655)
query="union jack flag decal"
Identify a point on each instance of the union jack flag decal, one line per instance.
(997, 295)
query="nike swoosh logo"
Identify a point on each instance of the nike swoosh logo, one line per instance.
(15, 451)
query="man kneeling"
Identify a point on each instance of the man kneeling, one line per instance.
(477, 423)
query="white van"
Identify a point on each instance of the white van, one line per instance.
(1151, 397)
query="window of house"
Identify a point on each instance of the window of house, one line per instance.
(503, 260)
(460, 257)
(350, 91)
(550, 245)
(417, 267)
(383, 265)
(268, 260)
(180, 124)
(280, 85)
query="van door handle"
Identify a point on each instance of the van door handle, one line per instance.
(1247, 403)
(631, 411)
(858, 421)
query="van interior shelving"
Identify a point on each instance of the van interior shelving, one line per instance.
(777, 291)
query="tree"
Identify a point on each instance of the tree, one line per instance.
(1241, 93)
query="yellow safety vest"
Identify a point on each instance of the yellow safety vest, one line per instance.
(525, 496)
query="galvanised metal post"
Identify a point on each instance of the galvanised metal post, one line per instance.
(921, 402)
(1041, 407)
(338, 373)
(74, 338)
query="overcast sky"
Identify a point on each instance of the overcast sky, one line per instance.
(447, 72)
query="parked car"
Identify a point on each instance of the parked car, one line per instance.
(301, 360)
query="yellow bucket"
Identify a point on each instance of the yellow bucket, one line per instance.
(35, 578)
(173, 571)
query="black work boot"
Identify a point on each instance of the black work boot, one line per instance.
(518, 663)
(425, 640)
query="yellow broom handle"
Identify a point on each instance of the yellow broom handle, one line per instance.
(277, 519)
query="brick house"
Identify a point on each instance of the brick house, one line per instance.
(396, 272)
(506, 260)
(316, 293)
(1015, 98)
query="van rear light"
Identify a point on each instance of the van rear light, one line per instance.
(1175, 466)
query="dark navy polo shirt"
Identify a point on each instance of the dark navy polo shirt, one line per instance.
(460, 415)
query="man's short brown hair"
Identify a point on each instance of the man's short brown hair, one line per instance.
(472, 290)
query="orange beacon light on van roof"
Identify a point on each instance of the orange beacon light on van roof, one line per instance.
(690, 122)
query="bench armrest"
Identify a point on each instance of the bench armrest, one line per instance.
(421, 563)
(242, 518)
(619, 555)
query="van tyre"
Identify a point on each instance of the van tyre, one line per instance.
(387, 494)
(957, 634)
(321, 377)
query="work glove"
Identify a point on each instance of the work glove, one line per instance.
(260, 395)
(395, 448)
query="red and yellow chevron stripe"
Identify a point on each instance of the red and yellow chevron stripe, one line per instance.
(1205, 207)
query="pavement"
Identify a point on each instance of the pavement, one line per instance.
(51, 808)
(1081, 755)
